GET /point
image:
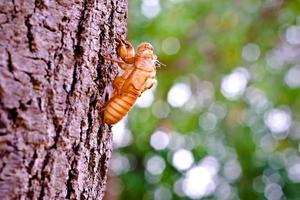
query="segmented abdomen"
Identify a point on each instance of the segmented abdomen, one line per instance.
(118, 106)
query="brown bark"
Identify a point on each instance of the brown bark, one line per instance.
(53, 144)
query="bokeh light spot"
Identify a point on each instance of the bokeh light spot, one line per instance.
(292, 77)
(208, 121)
(119, 164)
(258, 184)
(256, 98)
(122, 136)
(219, 109)
(177, 141)
(160, 109)
(294, 172)
(150, 8)
(224, 191)
(273, 191)
(278, 120)
(179, 94)
(234, 84)
(146, 99)
(155, 165)
(232, 170)
(170, 45)
(159, 140)
(200, 180)
(251, 52)
(182, 159)
(162, 193)
(293, 35)
(178, 187)
(267, 143)
(275, 59)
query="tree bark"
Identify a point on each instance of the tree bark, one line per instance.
(53, 83)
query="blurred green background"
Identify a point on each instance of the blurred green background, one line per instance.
(224, 121)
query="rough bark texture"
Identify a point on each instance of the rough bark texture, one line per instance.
(53, 144)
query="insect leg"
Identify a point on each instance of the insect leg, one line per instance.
(125, 51)
(113, 60)
(149, 84)
(124, 66)
(118, 84)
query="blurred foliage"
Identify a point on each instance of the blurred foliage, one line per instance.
(229, 95)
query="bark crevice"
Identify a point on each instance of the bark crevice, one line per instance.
(44, 175)
(78, 50)
(31, 42)
(72, 173)
(90, 121)
(9, 62)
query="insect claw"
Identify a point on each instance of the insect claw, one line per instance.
(112, 60)
(124, 41)
(120, 41)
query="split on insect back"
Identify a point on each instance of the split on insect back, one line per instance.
(139, 75)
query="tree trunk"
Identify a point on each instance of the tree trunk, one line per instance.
(53, 144)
